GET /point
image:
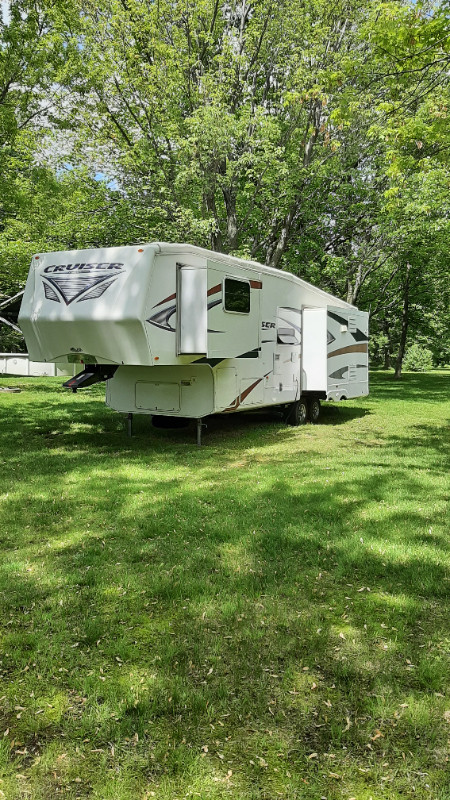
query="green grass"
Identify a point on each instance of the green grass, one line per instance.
(264, 617)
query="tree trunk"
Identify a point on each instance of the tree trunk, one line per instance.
(354, 279)
(232, 226)
(405, 322)
(216, 235)
(278, 245)
(387, 345)
(276, 249)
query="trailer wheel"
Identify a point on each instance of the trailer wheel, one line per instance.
(298, 413)
(314, 410)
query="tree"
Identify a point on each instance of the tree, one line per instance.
(228, 113)
(303, 134)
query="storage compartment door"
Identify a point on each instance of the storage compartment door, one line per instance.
(314, 350)
(225, 389)
(192, 310)
(156, 396)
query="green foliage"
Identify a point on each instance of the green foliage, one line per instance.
(11, 341)
(312, 136)
(418, 359)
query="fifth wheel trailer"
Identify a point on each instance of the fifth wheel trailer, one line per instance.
(179, 331)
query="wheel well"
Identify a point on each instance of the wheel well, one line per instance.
(314, 395)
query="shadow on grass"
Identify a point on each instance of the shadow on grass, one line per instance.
(64, 415)
(218, 598)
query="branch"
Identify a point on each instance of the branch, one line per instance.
(116, 121)
(211, 29)
(260, 41)
(414, 55)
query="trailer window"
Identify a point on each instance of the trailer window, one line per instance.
(237, 296)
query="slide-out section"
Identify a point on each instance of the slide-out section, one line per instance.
(192, 288)
(233, 312)
(348, 335)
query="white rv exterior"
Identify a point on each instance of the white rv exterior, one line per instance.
(183, 331)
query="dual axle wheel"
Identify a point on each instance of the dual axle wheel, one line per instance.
(303, 411)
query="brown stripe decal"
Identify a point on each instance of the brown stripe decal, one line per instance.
(213, 290)
(248, 390)
(352, 348)
(166, 300)
(241, 397)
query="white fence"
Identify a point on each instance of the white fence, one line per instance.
(19, 364)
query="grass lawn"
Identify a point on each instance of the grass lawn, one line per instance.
(264, 617)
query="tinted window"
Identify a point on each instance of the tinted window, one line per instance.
(237, 296)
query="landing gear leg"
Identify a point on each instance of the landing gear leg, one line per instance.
(199, 432)
(130, 424)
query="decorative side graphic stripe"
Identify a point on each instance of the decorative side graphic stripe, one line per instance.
(209, 307)
(212, 362)
(251, 353)
(337, 318)
(288, 322)
(97, 291)
(247, 391)
(358, 335)
(213, 290)
(289, 308)
(161, 318)
(241, 397)
(352, 348)
(339, 373)
(166, 300)
(50, 293)
(77, 287)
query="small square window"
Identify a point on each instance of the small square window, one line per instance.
(237, 296)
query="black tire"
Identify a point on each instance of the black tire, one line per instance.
(314, 410)
(298, 413)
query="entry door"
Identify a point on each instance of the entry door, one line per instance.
(286, 364)
(233, 299)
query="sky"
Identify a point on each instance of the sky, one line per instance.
(5, 10)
